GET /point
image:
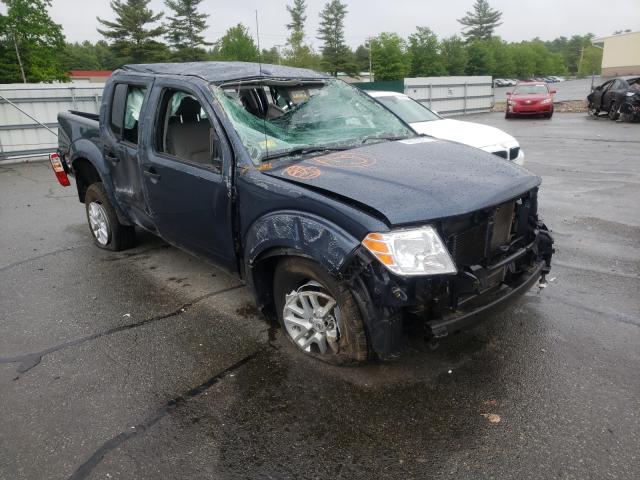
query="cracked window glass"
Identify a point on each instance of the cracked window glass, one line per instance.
(279, 120)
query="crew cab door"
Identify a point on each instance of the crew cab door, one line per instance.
(187, 173)
(126, 106)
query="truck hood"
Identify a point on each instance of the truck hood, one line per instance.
(411, 181)
(469, 133)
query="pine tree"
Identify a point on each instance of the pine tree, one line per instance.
(134, 32)
(296, 27)
(480, 24)
(336, 56)
(29, 43)
(185, 28)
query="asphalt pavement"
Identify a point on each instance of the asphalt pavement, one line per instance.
(150, 364)
(577, 89)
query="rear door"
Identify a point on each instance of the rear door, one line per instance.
(187, 173)
(120, 133)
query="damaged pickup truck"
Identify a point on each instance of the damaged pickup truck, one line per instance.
(349, 227)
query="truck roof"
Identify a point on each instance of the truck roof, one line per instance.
(221, 72)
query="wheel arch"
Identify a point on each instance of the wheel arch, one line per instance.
(292, 234)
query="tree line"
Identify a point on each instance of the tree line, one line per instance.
(33, 47)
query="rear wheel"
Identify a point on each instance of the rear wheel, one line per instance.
(107, 231)
(318, 314)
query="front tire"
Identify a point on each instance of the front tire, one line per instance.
(614, 111)
(106, 229)
(318, 314)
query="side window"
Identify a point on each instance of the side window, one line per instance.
(184, 130)
(133, 106)
(117, 109)
(125, 111)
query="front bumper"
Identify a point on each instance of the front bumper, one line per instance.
(520, 109)
(393, 306)
(496, 301)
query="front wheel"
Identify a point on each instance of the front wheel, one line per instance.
(107, 231)
(318, 314)
(592, 110)
(614, 111)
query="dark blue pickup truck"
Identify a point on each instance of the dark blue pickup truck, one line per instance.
(351, 229)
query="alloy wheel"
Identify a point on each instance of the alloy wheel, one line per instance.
(312, 319)
(99, 223)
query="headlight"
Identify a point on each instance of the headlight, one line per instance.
(418, 251)
(630, 94)
(545, 101)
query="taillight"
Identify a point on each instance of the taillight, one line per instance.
(58, 169)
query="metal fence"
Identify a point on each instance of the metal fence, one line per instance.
(452, 95)
(20, 133)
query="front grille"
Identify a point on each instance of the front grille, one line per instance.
(474, 239)
(501, 153)
(514, 152)
(468, 246)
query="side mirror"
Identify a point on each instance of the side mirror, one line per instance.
(508, 94)
(552, 91)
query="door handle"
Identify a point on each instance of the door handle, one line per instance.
(152, 173)
(111, 157)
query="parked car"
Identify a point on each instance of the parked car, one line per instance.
(530, 98)
(500, 82)
(427, 122)
(612, 95)
(347, 225)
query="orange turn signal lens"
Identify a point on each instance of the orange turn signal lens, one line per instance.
(377, 245)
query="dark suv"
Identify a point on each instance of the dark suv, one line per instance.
(348, 226)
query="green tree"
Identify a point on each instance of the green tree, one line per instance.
(336, 56)
(80, 56)
(271, 55)
(524, 59)
(453, 54)
(298, 53)
(361, 57)
(591, 61)
(184, 29)
(29, 43)
(480, 24)
(481, 60)
(389, 57)
(134, 32)
(503, 58)
(424, 54)
(296, 26)
(236, 44)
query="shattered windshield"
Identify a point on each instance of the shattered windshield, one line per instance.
(285, 119)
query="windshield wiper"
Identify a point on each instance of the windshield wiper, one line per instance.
(303, 151)
(383, 137)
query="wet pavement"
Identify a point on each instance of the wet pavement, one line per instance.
(150, 364)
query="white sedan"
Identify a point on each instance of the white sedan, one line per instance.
(424, 121)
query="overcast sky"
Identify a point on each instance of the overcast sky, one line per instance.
(523, 20)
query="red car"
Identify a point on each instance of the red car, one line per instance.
(530, 98)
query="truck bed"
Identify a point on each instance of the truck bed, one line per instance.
(74, 125)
